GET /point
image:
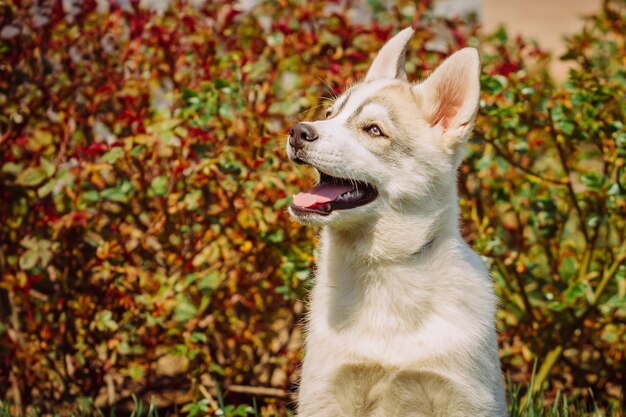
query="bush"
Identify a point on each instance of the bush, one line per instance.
(144, 240)
(545, 200)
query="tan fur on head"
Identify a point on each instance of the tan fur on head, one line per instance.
(396, 330)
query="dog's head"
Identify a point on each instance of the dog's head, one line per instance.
(387, 144)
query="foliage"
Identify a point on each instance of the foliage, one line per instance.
(144, 237)
(545, 191)
(535, 406)
(143, 203)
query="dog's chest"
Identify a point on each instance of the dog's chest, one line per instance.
(391, 341)
(393, 316)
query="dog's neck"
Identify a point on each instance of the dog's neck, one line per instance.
(398, 236)
(425, 247)
(353, 265)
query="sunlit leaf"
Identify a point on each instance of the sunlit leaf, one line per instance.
(31, 176)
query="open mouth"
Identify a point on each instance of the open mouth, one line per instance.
(333, 194)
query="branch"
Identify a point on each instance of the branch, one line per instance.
(526, 306)
(508, 158)
(260, 391)
(609, 274)
(570, 188)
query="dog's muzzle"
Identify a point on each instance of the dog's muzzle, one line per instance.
(330, 193)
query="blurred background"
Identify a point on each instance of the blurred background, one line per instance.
(146, 255)
(547, 22)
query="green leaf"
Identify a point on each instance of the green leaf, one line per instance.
(493, 84)
(188, 93)
(47, 166)
(620, 142)
(31, 176)
(12, 168)
(159, 185)
(277, 236)
(593, 220)
(610, 333)
(196, 409)
(136, 371)
(568, 268)
(198, 337)
(282, 203)
(184, 310)
(91, 195)
(521, 146)
(220, 83)
(501, 35)
(191, 200)
(574, 292)
(594, 181)
(104, 321)
(46, 188)
(40, 139)
(613, 189)
(137, 150)
(28, 260)
(117, 194)
(211, 281)
(565, 126)
(113, 155)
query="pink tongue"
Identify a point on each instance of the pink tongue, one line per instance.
(321, 194)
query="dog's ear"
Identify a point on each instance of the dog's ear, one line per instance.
(389, 63)
(449, 96)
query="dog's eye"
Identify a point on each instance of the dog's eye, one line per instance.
(374, 130)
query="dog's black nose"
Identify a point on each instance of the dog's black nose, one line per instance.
(300, 134)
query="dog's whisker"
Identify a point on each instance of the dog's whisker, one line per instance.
(326, 98)
(328, 86)
(311, 109)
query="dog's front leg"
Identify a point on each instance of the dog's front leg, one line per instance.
(314, 397)
(349, 390)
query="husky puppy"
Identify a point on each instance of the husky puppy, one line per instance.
(401, 318)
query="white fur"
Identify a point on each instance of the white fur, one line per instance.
(393, 331)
